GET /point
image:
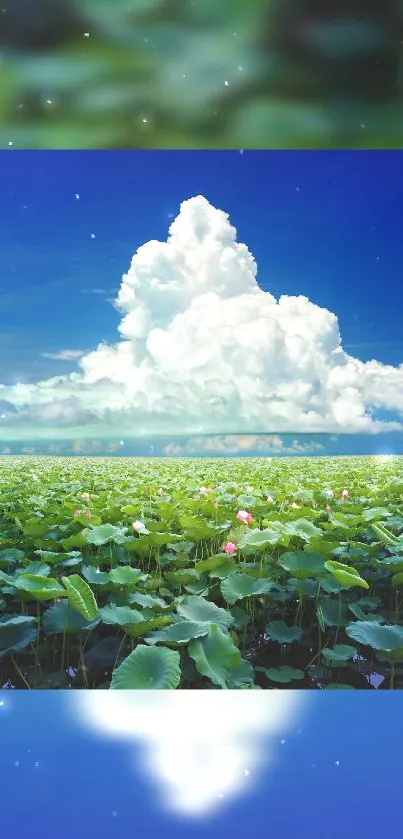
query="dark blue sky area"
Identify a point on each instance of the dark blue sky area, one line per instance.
(338, 774)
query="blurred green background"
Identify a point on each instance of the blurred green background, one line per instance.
(201, 74)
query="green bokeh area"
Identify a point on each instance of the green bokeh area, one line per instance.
(201, 74)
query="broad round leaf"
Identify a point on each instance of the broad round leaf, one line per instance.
(148, 668)
(302, 565)
(339, 653)
(40, 588)
(16, 633)
(237, 586)
(389, 639)
(195, 608)
(284, 674)
(64, 619)
(279, 631)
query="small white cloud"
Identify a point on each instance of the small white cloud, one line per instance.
(96, 291)
(64, 355)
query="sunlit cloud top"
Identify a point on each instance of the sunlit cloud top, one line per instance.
(203, 349)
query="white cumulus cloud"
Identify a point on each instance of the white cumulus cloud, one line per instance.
(203, 349)
(199, 747)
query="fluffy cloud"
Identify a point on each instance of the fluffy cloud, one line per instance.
(203, 349)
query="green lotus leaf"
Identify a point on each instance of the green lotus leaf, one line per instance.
(339, 653)
(16, 633)
(387, 639)
(302, 564)
(283, 674)
(238, 586)
(40, 588)
(61, 617)
(148, 668)
(345, 575)
(200, 609)
(279, 631)
(217, 658)
(80, 596)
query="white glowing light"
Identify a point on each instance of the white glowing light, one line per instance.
(195, 744)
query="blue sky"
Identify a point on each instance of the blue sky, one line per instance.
(336, 771)
(325, 225)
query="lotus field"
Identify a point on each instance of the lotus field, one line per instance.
(223, 573)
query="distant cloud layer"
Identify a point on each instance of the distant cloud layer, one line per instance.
(203, 349)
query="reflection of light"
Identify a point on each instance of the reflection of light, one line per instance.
(383, 458)
(200, 746)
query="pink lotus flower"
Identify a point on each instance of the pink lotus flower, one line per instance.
(85, 496)
(216, 505)
(244, 516)
(328, 507)
(137, 525)
(205, 490)
(77, 512)
(270, 500)
(230, 548)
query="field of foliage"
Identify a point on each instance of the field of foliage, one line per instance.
(201, 573)
(190, 74)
